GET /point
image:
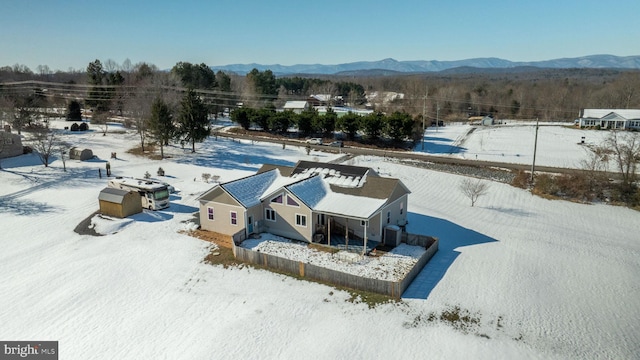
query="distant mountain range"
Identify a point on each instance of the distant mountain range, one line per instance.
(389, 66)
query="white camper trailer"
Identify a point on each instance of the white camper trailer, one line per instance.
(154, 195)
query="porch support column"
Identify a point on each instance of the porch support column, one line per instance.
(329, 230)
(346, 235)
(364, 247)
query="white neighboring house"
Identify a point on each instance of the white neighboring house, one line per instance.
(296, 106)
(621, 119)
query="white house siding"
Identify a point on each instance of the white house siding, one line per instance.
(393, 210)
(221, 222)
(611, 118)
(285, 224)
(374, 231)
(257, 217)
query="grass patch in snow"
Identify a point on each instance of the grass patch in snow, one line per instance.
(149, 152)
(221, 256)
(323, 248)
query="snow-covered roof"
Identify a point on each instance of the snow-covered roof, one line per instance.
(600, 113)
(335, 174)
(316, 193)
(321, 97)
(330, 188)
(248, 190)
(295, 105)
(112, 195)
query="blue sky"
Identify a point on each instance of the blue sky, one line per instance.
(72, 33)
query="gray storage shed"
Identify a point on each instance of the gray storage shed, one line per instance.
(80, 154)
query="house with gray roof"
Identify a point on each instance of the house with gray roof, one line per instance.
(308, 202)
(616, 119)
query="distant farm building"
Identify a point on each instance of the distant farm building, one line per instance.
(296, 106)
(80, 154)
(482, 120)
(119, 203)
(10, 145)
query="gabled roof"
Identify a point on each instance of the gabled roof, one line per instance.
(112, 195)
(295, 105)
(337, 174)
(321, 97)
(316, 193)
(247, 191)
(627, 114)
(284, 170)
(320, 186)
(250, 190)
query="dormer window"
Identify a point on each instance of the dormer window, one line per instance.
(277, 199)
(291, 202)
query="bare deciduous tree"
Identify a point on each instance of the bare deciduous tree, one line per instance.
(623, 149)
(62, 148)
(45, 143)
(473, 189)
(101, 119)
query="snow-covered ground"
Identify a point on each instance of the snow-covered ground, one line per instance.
(545, 279)
(391, 266)
(559, 145)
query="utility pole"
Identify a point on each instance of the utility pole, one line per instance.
(424, 106)
(437, 116)
(535, 148)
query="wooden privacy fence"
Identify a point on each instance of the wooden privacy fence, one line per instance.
(417, 239)
(386, 287)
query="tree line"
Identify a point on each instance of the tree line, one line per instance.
(398, 126)
(547, 94)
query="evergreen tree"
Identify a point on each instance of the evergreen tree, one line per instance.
(327, 122)
(74, 112)
(193, 124)
(350, 124)
(373, 125)
(161, 124)
(306, 120)
(242, 116)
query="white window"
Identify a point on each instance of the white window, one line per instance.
(301, 220)
(270, 214)
(210, 213)
(401, 207)
(234, 218)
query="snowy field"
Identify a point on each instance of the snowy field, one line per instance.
(545, 279)
(559, 145)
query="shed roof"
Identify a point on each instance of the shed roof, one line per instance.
(112, 195)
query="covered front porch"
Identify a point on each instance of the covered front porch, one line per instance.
(351, 244)
(344, 233)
